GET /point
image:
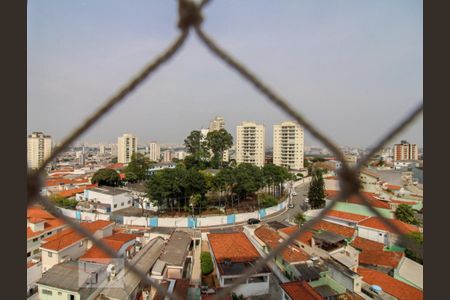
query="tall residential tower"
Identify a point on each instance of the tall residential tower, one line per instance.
(126, 147)
(288, 145)
(250, 143)
(39, 147)
(154, 151)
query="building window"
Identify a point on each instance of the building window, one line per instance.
(28, 254)
(59, 293)
(129, 201)
(36, 251)
(48, 233)
(35, 240)
(47, 292)
(50, 254)
(122, 204)
(115, 205)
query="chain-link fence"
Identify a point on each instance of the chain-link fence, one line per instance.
(190, 19)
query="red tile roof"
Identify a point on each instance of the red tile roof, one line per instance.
(68, 236)
(346, 216)
(300, 290)
(36, 215)
(272, 239)
(376, 223)
(380, 258)
(305, 238)
(371, 197)
(115, 166)
(403, 202)
(365, 244)
(65, 181)
(233, 246)
(115, 242)
(73, 192)
(393, 187)
(30, 264)
(390, 285)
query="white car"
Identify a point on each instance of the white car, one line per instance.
(294, 193)
(291, 205)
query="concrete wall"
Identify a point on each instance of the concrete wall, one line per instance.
(34, 273)
(74, 252)
(351, 283)
(373, 235)
(56, 294)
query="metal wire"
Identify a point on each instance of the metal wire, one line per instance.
(190, 17)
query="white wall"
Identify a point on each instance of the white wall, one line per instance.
(373, 235)
(34, 273)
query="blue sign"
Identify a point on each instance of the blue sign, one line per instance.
(153, 222)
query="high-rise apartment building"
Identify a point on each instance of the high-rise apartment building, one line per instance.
(167, 155)
(39, 147)
(288, 143)
(405, 151)
(250, 143)
(154, 151)
(126, 147)
(217, 124)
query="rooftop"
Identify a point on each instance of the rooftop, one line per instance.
(272, 239)
(37, 215)
(234, 247)
(109, 190)
(376, 223)
(300, 290)
(66, 276)
(346, 216)
(177, 248)
(371, 197)
(390, 285)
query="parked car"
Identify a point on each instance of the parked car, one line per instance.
(294, 193)
(252, 221)
(291, 205)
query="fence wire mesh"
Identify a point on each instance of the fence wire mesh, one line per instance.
(190, 18)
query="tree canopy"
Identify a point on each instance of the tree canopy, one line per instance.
(316, 193)
(108, 177)
(217, 142)
(137, 169)
(405, 213)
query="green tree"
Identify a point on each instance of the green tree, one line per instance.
(266, 200)
(197, 148)
(130, 176)
(206, 263)
(299, 218)
(218, 141)
(139, 166)
(316, 193)
(414, 248)
(405, 213)
(108, 177)
(248, 179)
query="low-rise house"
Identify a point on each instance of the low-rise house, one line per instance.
(139, 194)
(344, 218)
(389, 285)
(373, 255)
(40, 225)
(325, 240)
(69, 281)
(374, 229)
(161, 166)
(232, 254)
(70, 245)
(299, 290)
(268, 239)
(126, 285)
(177, 256)
(116, 198)
(410, 272)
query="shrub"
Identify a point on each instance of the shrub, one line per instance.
(206, 263)
(267, 200)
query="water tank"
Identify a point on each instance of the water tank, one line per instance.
(376, 288)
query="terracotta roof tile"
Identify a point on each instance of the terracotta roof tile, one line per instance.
(233, 246)
(300, 290)
(380, 258)
(304, 238)
(34, 214)
(371, 197)
(68, 236)
(272, 239)
(376, 223)
(346, 216)
(393, 187)
(73, 192)
(366, 244)
(390, 285)
(115, 242)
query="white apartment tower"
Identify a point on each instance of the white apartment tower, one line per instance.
(405, 151)
(154, 151)
(126, 147)
(39, 147)
(288, 145)
(250, 143)
(217, 124)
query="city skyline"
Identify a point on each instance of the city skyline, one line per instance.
(359, 60)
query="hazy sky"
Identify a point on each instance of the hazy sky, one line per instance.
(353, 67)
